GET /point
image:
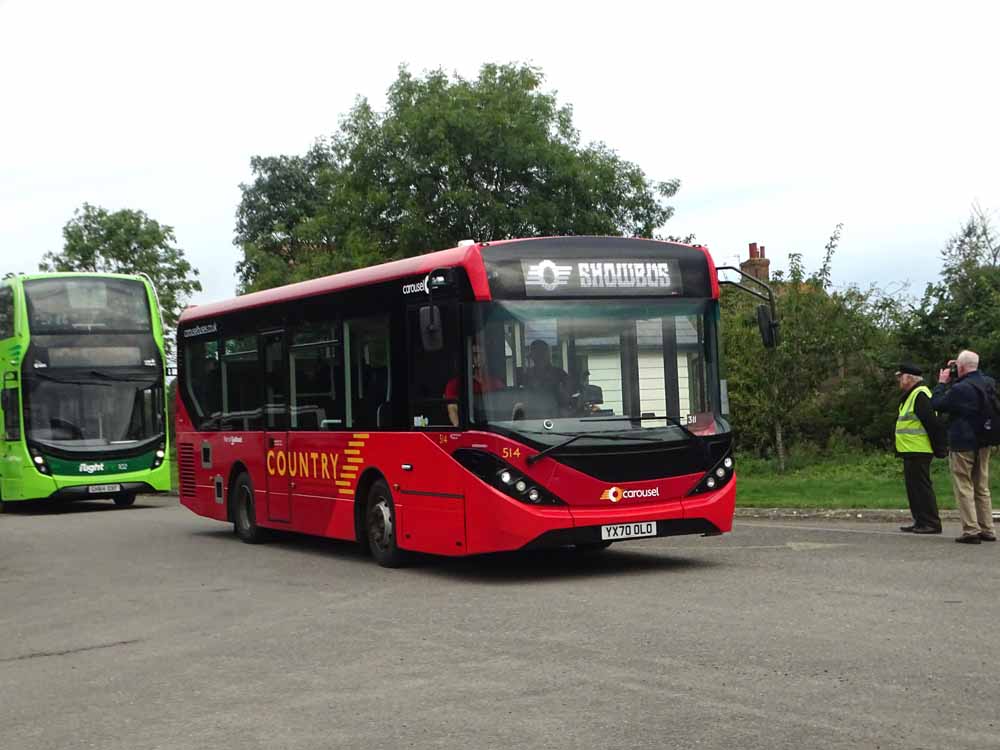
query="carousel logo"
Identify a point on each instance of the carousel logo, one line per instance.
(91, 468)
(420, 286)
(548, 275)
(616, 494)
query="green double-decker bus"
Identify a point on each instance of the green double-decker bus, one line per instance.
(83, 377)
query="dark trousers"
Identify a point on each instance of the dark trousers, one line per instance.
(919, 490)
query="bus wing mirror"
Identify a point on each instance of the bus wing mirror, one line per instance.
(431, 335)
(768, 327)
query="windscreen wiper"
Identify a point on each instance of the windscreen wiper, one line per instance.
(574, 438)
(667, 418)
(126, 379)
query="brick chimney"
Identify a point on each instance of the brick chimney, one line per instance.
(757, 265)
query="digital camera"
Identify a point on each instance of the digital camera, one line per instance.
(953, 370)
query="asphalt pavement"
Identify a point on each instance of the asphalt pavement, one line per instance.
(150, 627)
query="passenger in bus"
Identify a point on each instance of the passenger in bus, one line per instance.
(482, 382)
(546, 377)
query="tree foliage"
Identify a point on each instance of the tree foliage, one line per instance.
(829, 374)
(449, 159)
(130, 242)
(962, 310)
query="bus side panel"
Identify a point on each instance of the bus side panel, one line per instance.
(429, 496)
(324, 480)
(197, 495)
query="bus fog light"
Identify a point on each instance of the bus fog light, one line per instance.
(506, 477)
(521, 485)
(533, 495)
(710, 483)
(728, 463)
(39, 460)
(160, 453)
(720, 472)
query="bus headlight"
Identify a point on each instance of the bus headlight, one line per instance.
(716, 477)
(161, 453)
(39, 460)
(503, 477)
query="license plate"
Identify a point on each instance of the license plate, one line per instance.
(95, 488)
(628, 530)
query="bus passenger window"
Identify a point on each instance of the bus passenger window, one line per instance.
(317, 378)
(241, 407)
(203, 377)
(368, 373)
(6, 312)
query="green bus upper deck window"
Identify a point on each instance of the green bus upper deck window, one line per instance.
(87, 305)
(6, 312)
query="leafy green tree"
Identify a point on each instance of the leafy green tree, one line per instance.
(962, 310)
(828, 376)
(128, 242)
(449, 159)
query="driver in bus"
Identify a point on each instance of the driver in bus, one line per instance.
(546, 377)
(482, 382)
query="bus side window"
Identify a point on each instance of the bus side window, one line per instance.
(241, 395)
(11, 414)
(317, 377)
(6, 312)
(368, 372)
(435, 379)
(203, 378)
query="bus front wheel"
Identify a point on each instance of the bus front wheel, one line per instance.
(244, 511)
(125, 500)
(381, 528)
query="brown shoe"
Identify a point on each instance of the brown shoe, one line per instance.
(968, 539)
(987, 536)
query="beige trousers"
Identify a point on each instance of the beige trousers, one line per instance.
(970, 478)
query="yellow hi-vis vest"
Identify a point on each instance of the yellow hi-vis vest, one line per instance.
(911, 437)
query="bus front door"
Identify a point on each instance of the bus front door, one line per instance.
(280, 481)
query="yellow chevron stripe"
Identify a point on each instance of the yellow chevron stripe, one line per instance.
(360, 435)
(352, 452)
(355, 461)
(356, 443)
(346, 492)
(342, 484)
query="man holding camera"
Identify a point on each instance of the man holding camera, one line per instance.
(961, 393)
(916, 428)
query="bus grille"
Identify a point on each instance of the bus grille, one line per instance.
(185, 469)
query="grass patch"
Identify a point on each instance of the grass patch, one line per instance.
(842, 481)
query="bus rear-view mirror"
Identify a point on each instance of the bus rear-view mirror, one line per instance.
(768, 327)
(431, 335)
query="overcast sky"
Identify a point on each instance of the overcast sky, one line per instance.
(780, 119)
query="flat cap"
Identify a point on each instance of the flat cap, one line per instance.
(908, 368)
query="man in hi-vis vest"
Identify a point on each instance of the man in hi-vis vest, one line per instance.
(914, 426)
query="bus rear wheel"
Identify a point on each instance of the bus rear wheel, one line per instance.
(380, 527)
(244, 511)
(125, 500)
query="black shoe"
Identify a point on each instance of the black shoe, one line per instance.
(926, 530)
(907, 529)
(968, 539)
(986, 536)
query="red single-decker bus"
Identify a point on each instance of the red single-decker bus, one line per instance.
(494, 396)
